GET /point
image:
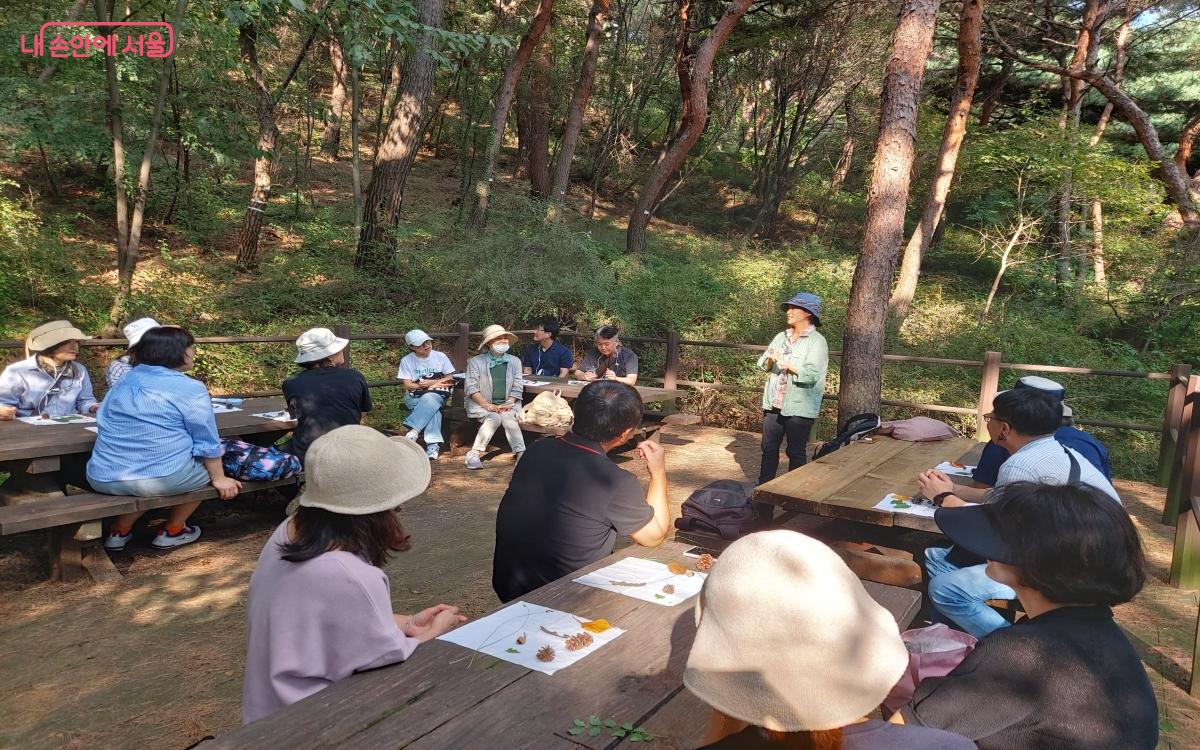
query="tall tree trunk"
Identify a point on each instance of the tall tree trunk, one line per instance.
(1120, 58)
(842, 170)
(952, 137)
(1098, 274)
(385, 192)
(355, 156)
(129, 226)
(508, 87)
(268, 134)
(523, 111)
(331, 139)
(694, 95)
(583, 92)
(1187, 141)
(993, 96)
(539, 122)
(866, 315)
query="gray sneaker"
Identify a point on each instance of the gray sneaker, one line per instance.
(167, 541)
(432, 451)
(116, 542)
(473, 460)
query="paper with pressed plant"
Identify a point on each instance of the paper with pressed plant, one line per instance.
(647, 580)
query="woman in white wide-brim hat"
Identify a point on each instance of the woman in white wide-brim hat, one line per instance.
(49, 381)
(325, 394)
(791, 651)
(493, 390)
(319, 607)
(122, 365)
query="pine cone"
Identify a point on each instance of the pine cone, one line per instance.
(668, 589)
(578, 641)
(705, 562)
(545, 653)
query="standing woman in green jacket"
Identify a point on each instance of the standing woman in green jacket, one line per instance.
(796, 360)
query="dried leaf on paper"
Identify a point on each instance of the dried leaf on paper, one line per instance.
(596, 626)
(676, 568)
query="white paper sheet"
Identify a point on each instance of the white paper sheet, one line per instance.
(93, 429)
(223, 408)
(954, 469)
(894, 503)
(496, 635)
(278, 416)
(65, 419)
(578, 382)
(655, 580)
(535, 382)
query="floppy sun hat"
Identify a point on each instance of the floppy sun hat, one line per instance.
(50, 335)
(807, 301)
(316, 344)
(136, 329)
(355, 470)
(788, 639)
(494, 332)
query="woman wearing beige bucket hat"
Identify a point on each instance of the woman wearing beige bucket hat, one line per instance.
(49, 381)
(493, 389)
(791, 652)
(320, 607)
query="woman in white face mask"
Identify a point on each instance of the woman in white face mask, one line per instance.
(493, 390)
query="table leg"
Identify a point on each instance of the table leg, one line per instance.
(66, 555)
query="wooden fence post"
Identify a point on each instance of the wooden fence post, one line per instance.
(671, 374)
(461, 346)
(343, 331)
(1185, 557)
(1189, 413)
(987, 391)
(1172, 418)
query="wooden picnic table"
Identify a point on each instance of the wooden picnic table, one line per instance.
(649, 394)
(447, 696)
(849, 482)
(27, 449)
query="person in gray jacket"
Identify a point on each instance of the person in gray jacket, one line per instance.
(493, 392)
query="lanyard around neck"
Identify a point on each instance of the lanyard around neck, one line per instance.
(579, 447)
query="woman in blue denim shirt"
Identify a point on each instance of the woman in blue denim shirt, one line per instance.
(49, 382)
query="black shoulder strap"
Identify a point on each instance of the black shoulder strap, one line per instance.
(1073, 476)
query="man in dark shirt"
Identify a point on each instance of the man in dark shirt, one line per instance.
(548, 356)
(608, 359)
(567, 501)
(324, 395)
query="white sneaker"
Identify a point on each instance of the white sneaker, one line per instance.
(473, 460)
(116, 542)
(167, 541)
(432, 451)
(412, 435)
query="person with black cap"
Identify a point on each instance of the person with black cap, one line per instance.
(1065, 677)
(796, 360)
(549, 357)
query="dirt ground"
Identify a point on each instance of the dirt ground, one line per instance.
(156, 659)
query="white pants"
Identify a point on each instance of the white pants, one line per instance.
(492, 422)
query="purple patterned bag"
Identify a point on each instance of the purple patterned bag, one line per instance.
(257, 463)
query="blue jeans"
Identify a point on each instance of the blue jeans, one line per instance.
(193, 476)
(425, 415)
(961, 594)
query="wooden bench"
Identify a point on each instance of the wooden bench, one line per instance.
(63, 515)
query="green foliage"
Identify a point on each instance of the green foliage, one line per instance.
(594, 727)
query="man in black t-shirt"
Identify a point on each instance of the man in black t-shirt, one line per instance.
(567, 501)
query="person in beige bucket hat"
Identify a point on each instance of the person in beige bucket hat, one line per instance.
(493, 391)
(791, 651)
(49, 381)
(319, 607)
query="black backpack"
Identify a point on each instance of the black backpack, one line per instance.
(721, 507)
(858, 426)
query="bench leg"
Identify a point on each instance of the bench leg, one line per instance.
(66, 556)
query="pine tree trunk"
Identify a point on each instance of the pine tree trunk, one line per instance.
(523, 114)
(1098, 274)
(331, 139)
(539, 122)
(866, 315)
(268, 134)
(842, 170)
(993, 97)
(579, 100)
(385, 192)
(969, 50)
(694, 91)
(508, 87)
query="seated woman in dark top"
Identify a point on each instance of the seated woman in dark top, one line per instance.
(324, 395)
(1067, 677)
(792, 652)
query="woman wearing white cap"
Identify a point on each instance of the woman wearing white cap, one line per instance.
(493, 390)
(428, 379)
(320, 607)
(49, 381)
(791, 652)
(324, 395)
(121, 366)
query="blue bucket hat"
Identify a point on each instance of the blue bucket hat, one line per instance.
(808, 302)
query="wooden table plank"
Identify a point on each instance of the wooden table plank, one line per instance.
(648, 394)
(447, 696)
(22, 442)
